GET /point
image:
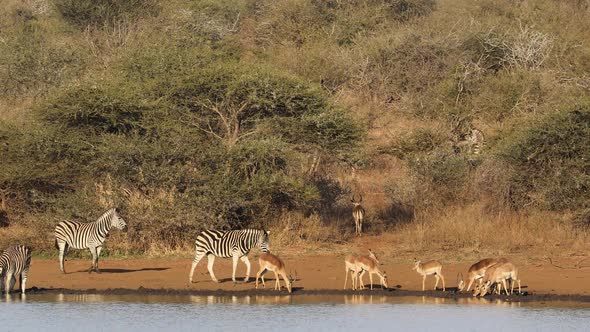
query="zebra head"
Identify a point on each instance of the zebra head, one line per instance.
(263, 241)
(117, 221)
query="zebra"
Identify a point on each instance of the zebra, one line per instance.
(236, 244)
(90, 235)
(470, 143)
(14, 262)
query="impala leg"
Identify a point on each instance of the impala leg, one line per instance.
(505, 288)
(436, 283)
(360, 277)
(443, 281)
(345, 277)
(258, 275)
(423, 282)
(371, 279)
(469, 285)
(361, 226)
(471, 282)
(247, 262)
(277, 281)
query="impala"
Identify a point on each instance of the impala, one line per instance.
(273, 263)
(358, 214)
(429, 268)
(477, 271)
(497, 275)
(359, 265)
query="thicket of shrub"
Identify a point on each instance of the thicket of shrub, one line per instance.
(551, 160)
(30, 62)
(229, 144)
(104, 13)
(193, 114)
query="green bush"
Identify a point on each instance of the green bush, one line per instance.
(31, 62)
(410, 65)
(403, 10)
(96, 110)
(551, 159)
(101, 13)
(421, 140)
(444, 173)
(158, 135)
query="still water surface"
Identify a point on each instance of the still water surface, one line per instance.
(58, 312)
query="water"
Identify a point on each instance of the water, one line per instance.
(58, 312)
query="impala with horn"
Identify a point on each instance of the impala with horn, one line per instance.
(358, 214)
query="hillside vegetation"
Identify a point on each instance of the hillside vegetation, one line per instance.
(241, 113)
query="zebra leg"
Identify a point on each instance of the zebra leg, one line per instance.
(62, 246)
(23, 280)
(93, 252)
(210, 261)
(98, 250)
(12, 281)
(198, 256)
(247, 262)
(8, 283)
(235, 265)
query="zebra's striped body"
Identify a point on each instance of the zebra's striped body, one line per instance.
(236, 244)
(470, 143)
(14, 262)
(78, 235)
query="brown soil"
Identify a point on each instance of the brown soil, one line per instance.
(315, 274)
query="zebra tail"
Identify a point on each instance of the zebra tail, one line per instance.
(56, 246)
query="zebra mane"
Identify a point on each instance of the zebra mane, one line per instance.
(107, 215)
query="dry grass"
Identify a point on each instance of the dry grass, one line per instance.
(457, 234)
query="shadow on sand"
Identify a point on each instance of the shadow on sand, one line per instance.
(129, 270)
